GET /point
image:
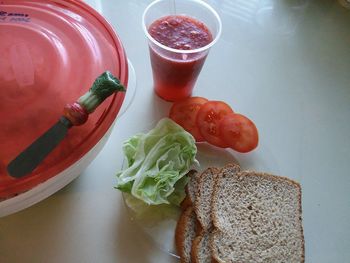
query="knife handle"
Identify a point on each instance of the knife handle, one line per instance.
(75, 113)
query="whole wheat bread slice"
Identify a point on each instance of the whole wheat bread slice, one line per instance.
(205, 187)
(185, 233)
(257, 218)
(190, 189)
(202, 206)
(201, 252)
(186, 227)
(202, 203)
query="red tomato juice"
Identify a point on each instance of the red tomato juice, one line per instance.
(175, 73)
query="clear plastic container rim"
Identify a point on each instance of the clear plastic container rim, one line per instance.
(197, 50)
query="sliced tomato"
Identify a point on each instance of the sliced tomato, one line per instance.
(208, 118)
(184, 113)
(239, 132)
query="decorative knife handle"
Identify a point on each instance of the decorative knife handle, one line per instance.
(75, 113)
(104, 86)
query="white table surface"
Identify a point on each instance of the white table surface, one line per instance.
(286, 65)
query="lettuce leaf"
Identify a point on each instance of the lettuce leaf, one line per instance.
(157, 163)
(150, 215)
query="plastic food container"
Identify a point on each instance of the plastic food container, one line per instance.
(51, 52)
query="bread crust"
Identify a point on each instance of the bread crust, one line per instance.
(187, 202)
(194, 250)
(180, 232)
(186, 215)
(200, 181)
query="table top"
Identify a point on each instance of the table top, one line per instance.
(286, 65)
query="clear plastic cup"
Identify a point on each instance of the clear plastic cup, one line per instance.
(175, 71)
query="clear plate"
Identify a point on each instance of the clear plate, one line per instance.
(159, 222)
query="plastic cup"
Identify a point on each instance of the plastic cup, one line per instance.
(175, 71)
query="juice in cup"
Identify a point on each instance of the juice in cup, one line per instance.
(175, 74)
(180, 34)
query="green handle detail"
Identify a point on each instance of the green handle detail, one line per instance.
(104, 86)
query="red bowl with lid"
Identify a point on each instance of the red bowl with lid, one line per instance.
(51, 51)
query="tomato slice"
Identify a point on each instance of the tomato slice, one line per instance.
(208, 118)
(184, 113)
(239, 132)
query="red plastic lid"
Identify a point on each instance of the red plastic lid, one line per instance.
(50, 53)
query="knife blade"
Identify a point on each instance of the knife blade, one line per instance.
(35, 153)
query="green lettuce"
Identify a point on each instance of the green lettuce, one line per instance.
(157, 163)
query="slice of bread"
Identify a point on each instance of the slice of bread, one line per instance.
(257, 218)
(200, 247)
(201, 252)
(185, 233)
(202, 203)
(190, 189)
(205, 186)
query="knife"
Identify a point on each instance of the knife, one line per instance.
(74, 114)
